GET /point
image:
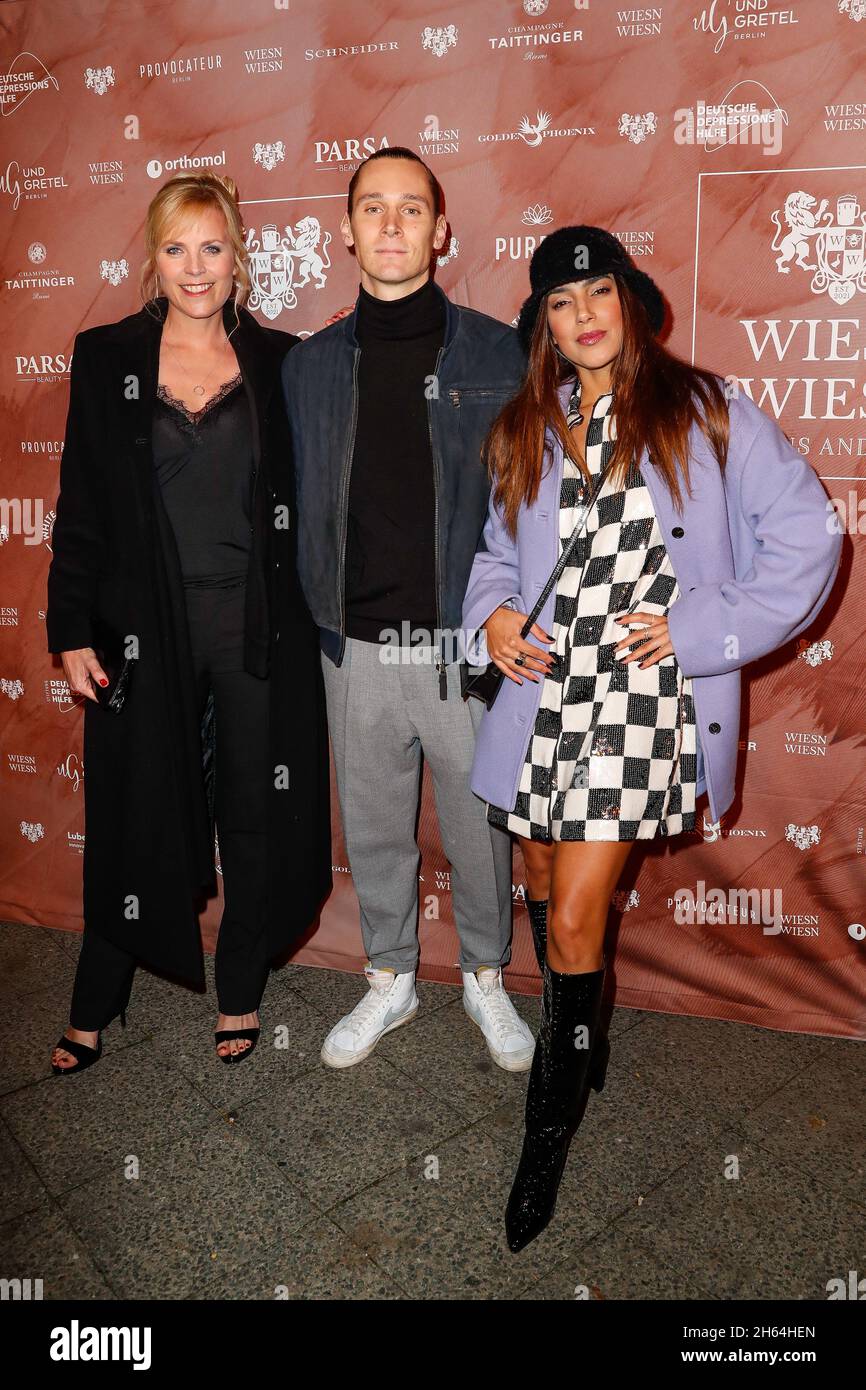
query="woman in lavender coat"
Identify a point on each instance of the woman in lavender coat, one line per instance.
(706, 547)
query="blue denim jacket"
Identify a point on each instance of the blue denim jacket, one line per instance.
(479, 367)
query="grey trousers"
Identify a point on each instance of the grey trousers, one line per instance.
(381, 719)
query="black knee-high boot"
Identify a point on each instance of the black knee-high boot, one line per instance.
(559, 1081)
(537, 909)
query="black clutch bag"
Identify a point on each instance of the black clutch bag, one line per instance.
(485, 683)
(110, 650)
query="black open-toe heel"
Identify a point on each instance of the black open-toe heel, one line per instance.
(86, 1055)
(243, 1034)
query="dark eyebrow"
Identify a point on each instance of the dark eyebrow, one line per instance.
(404, 197)
(590, 280)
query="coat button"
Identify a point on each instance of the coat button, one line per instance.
(678, 531)
(715, 728)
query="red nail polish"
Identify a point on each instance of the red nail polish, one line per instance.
(103, 682)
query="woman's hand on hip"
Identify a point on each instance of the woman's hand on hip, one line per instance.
(504, 645)
(648, 646)
(80, 665)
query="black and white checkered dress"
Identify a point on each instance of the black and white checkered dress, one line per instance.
(613, 754)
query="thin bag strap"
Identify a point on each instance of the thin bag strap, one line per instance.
(564, 557)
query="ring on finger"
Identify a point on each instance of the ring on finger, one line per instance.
(520, 659)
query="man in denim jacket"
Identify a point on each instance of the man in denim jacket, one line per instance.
(388, 409)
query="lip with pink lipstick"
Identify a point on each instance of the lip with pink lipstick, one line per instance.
(193, 289)
(588, 339)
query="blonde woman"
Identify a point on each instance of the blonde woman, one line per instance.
(173, 562)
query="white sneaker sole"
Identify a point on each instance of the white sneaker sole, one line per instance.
(350, 1059)
(502, 1059)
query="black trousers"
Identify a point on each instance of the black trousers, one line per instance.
(242, 779)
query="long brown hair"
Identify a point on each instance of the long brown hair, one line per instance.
(656, 400)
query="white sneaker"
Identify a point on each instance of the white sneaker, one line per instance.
(509, 1039)
(390, 1002)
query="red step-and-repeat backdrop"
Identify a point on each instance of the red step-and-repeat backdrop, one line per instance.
(722, 142)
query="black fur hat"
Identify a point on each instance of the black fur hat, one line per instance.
(553, 263)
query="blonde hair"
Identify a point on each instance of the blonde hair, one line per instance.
(190, 193)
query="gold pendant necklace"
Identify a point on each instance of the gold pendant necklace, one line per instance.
(199, 389)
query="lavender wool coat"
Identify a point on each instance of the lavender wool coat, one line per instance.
(755, 560)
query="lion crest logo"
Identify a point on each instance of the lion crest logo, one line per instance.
(836, 240)
(99, 80)
(282, 264)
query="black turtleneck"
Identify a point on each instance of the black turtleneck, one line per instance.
(390, 544)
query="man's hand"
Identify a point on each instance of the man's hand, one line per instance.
(340, 314)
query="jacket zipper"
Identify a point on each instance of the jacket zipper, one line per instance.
(440, 664)
(455, 391)
(344, 505)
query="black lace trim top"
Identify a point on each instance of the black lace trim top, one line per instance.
(204, 460)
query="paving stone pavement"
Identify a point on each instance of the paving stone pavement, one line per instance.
(720, 1161)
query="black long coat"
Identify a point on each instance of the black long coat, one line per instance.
(148, 857)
